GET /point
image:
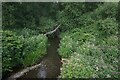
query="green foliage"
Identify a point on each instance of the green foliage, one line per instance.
(91, 6)
(74, 39)
(101, 58)
(86, 19)
(77, 67)
(98, 42)
(36, 16)
(107, 27)
(100, 28)
(105, 53)
(104, 11)
(88, 36)
(118, 13)
(82, 37)
(34, 49)
(47, 24)
(66, 46)
(72, 15)
(26, 32)
(18, 50)
(89, 49)
(112, 41)
(12, 50)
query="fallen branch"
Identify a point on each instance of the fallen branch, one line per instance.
(51, 32)
(21, 73)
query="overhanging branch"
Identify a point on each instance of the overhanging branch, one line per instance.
(51, 32)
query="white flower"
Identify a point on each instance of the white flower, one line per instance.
(97, 68)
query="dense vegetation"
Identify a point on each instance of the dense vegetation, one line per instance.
(22, 45)
(89, 36)
(91, 50)
(18, 50)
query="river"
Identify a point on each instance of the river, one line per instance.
(51, 63)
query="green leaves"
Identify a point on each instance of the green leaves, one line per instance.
(36, 16)
(34, 49)
(106, 10)
(88, 36)
(47, 24)
(18, 50)
(107, 27)
(77, 67)
(12, 50)
(118, 13)
(66, 47)
(94, 45)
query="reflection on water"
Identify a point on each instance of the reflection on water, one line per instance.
(51, 64)
(41, 72)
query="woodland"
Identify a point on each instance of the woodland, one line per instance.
(88, 32)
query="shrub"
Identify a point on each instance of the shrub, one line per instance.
(72, 40)
(95, 43)
(111, 55)
(18, 50)
(66, 46)
(26, 32)
(104, 11)
(86, 19)
(46, 24)
(89, 50)
(101, 57)
(34, 49)
(109, 47)
(82, 37)
(118, 13)
(12, 50)
(107, 27)
(77, 67)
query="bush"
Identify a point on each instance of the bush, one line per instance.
(82, 37)
(72, 40)
(66, 46)
(18, 50)
(102, 63)
(46, 24)
(89, 50)
(94, 41)
(118, 13)
(12, 50)
(107, 27)
(86, 19)
(34, 49)
(77, 67)
(104, 59)
(107, 10)
(109, 47)
(26, 32)
(100, 53)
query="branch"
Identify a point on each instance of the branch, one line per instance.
(51, 32)
(21, 73)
